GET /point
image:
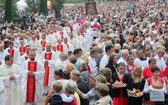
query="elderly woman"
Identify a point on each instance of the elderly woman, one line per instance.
(83, 69)
(70, 89)
(136, 82)
(91, 95)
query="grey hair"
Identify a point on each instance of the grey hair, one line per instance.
(101, 78)
(75, 73)
(159, 50)
(82, 65)
(71, 87)
(63, 54)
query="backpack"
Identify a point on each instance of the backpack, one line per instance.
(56, 100)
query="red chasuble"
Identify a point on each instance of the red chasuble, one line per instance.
(83, 35)
(31, 83)
(47, 72)
(22, 50)
(59, 47)
(43, 44)
(11, 52)
(62, 36)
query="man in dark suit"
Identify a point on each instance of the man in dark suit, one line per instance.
(82, 86)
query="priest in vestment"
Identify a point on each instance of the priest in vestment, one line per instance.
(13, 52)
(43, 41)
(22, 47)
(61, 47)
(61, 62)
(3, 53)
(11, 76)
(33, 71)
(48, 58)
(35, 45)
(25, 56)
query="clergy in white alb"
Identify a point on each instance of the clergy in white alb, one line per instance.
(160, 60)
(61, 62)
(11, 76)
(3, 53)
(13, 52)
(48, 58)
(25, 56)
(2, 88)
(33, 73)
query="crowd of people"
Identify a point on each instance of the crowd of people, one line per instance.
(115, 57)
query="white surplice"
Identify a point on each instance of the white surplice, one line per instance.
(93, 66)
(51, 63)
(2, 88)
(12, 92)
(2, 56)
(59, 64)
(36, 44)
(39, 74)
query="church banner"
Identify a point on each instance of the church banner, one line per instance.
(91, 8)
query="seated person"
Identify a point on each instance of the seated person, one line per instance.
(103, 93)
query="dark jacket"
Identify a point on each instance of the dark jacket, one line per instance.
(112, 68)
(82, 86)
(116, 91)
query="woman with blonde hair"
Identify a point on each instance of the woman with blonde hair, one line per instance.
(137, 81)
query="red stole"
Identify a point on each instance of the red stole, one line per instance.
(62, 34)
(11, 52)
(31, 83)
(83, 35)
(26, 57)
(43, 44)
(59, 47)
(67, 46)
(47, 72)
(22, 50)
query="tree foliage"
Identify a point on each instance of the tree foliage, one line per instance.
(57, 4)
(8, 11)
(32, 6)
(43, 7)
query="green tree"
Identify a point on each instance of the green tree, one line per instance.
(32, 5)
(43, 7)
(8, 11)
(57, 5)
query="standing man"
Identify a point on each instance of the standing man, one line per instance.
(48, 58)
(13, 52)
(11, 77)
(33, 71)
(104, 60)
(92, 62)
(3, 53)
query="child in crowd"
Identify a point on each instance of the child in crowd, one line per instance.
(58, 98)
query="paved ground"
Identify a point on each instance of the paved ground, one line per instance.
(42, 100)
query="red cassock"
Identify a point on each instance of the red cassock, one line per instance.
(31, 83)
(47, 72)
(59, 47)
(11, 52)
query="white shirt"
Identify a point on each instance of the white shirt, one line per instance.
(142, 63)
(160, 62)
(104, 61)
(122, 60)
(93, 66)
